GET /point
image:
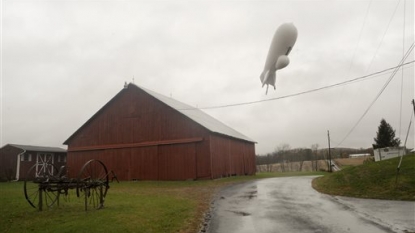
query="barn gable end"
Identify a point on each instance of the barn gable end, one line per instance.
(143, 135)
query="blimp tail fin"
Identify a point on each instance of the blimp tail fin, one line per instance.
(264, 77)
(271, 78)
(267, 77)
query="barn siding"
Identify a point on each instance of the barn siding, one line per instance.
(177, 162)
(133, 117)
(144, 163)
(220, 158)
(140, 137)
(8, 161)
(120, 161)
(162, 162)
(203, 159)
(77, 159)
(250, 159)
(231, 157)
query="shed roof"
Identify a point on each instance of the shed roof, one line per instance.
(192, 113)
(39, 148)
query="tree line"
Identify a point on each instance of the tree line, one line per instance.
(289, 159)
(285, 157)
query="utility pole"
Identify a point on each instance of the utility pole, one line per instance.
(404, 146)
(328, 135)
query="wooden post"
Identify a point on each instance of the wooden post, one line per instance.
(328, 134)
(101, 197)
(86, 192)
(40, 199)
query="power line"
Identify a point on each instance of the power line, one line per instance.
(304, 92)
(360, 35)
(384, 34)
(380, 93)
(403, 53)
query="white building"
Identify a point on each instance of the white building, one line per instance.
(359, 155)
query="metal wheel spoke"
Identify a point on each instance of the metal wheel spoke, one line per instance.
(92, 199)
(50, 198)
(34, 186)
(94, 176)
(44, 184)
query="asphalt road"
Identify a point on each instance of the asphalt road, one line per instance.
(291, 205)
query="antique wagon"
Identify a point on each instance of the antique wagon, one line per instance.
(45, 185)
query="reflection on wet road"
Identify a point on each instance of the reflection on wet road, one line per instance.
(291, 205)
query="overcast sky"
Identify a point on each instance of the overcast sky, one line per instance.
(61, 61)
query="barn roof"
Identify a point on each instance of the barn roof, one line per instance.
(194, 114)
(38, 148)
(198, 116)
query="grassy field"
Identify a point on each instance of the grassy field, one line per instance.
(347, 162)
(143, 206)
(372, 180)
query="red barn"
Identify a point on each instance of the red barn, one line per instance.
(16, 160)
(142, 135)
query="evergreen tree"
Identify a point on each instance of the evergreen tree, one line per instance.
(385, 137)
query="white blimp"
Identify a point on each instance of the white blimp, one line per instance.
(281, 45)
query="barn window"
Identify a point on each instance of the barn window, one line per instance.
(26, 157)
(61, 158)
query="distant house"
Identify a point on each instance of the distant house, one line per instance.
(142, 135)
(359, 155)
(16, 160)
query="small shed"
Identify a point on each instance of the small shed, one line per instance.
(16, 160)
(142, 135)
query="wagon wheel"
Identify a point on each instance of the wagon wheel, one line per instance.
(37, 189)
(93, 184)
(64, 187)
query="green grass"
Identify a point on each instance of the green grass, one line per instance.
(373, 180)
(144, 206)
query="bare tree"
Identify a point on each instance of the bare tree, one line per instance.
(283, 147)
(314, 163)
(268, 163)
(302, 158)
(281, 152)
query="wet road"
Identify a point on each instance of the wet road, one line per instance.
(291, 205)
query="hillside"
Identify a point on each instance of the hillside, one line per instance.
(372, 180)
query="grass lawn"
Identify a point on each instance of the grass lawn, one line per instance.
(144, 206)
(372, 180)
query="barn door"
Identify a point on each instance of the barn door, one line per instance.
(177, 162)
(44, 164)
